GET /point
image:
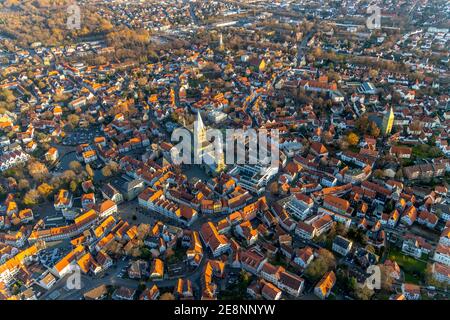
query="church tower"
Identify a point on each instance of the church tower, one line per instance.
(221, 45)
(200, 141)
(172, 98)
(200, 130)
(388, 122)
(203, 148)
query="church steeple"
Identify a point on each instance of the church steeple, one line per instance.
(221, 45)
(204, 148)
(200, 124)
(199, 137)
(388, 122)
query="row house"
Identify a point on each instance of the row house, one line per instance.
(217, 243)
(12, 159)
(428, 219)
(286, 281)
(424, 171)
(409, 216)
(442, 255)
(324, 286)
(415, 246)
(155, 200)
(11, 267)
(441, 272)
(16, 239)
(299, 205)
(303, 257)
(305, 231)
(444, 239)
(337, 205)
(246, 231)
(252, 260)
(82, 223)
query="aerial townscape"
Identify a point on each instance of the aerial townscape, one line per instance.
(94, 207)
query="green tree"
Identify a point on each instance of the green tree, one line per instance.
(73, 186)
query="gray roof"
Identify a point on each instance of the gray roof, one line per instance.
(342, 242)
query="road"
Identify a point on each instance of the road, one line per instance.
(303, 45)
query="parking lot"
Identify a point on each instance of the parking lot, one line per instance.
(51, 256)
(82, 135)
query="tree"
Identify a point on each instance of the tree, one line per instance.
(31, 198)
(68, 175)
(373, 73)
(114, 166)
(45, 190)
(24, 184)
(374, 130)
(386, 278)
(146, 254)
(323, 263)
(357, 235)
(244, 276)
(73, 186)
(343, 144)
(167, 296)
(37, 170)
(378, 173)
(273, 188)
(370, 249)
(73, 120)
(340, 229)
(399, 174)
(56, 182)
(12, 183)
(75, 166)
(7, 99)
(352, 139)
(362, 124)
(106, 171)
(362, 292)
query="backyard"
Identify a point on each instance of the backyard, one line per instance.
(413, 269)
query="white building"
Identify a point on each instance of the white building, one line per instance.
(342, 245)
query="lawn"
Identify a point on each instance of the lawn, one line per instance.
(424, 151)
(414, 269)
